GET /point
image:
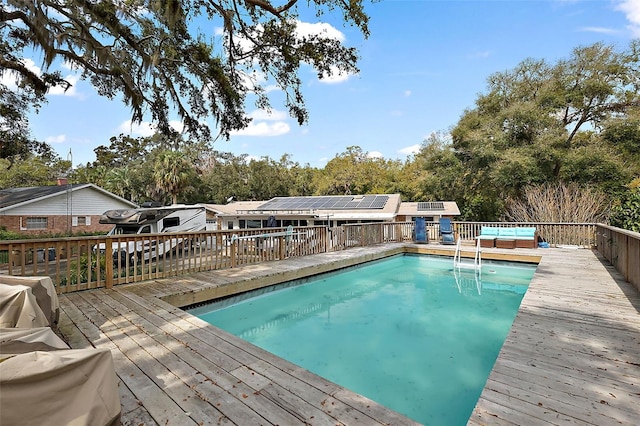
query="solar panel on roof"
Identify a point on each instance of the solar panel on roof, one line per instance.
(326, 203)
(430, 205)
(379, 202)
(366, 202)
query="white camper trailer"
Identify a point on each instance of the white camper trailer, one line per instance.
(178, 218)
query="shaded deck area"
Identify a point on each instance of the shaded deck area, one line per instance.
(572, 355)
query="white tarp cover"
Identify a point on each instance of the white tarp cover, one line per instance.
(22, 340)
(19, 308)
(70, 387)
(44, 291)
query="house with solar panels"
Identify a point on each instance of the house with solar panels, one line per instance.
(333, 210)
(432, 211)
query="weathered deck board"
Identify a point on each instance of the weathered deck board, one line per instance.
(571, 357)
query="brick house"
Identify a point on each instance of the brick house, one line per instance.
(57, 209)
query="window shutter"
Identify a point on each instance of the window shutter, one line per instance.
(88, 220)
(74, 221)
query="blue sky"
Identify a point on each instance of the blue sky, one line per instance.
(423, 65)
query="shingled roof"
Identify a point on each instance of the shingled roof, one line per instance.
(14, 196)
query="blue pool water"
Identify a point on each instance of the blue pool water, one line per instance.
(407, 332)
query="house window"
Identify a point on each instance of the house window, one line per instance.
(254, 224)
(426, 218)
(80, 220)
(250, 224)
(36, 223)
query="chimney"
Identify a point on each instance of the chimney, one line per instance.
(62, 181)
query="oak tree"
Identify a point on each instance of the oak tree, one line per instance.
(167, 58)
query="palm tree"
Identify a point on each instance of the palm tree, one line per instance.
(171, 172)
(118, 181)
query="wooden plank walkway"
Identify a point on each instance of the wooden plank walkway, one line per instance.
(572, 355)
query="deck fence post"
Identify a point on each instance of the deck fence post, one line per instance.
(234, 250)
(108, 263)
(281, 247)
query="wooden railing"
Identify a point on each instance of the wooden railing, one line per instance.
(92, 262)
(367, 234)
(622, 249)
(576, 234)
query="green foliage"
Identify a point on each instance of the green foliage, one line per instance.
(31, 171)
(153, 55)
(79, 270)
(225, 175)
(8, 235)
(626, 213)
(16, 103)
(356, 172)
(537, 124)
(482, 208)
(172, 172)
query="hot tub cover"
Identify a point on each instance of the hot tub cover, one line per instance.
(74, 386)
(21, 340)
(19, 308)
(44, 291)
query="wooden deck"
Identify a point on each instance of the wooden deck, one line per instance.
(572, 356)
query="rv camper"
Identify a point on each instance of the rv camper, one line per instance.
(177, 218)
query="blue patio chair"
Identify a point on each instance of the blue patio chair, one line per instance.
(446, 231)
(420, 234)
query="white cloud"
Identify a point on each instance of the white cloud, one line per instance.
(336, 76)
(303, 29)
(265, 123)
(9, 78)
(407, 93)
(71, 91)
(264, 129)
(631, 9)
(144, 129)
(483, 54)
(600, 30)
(55, 139)
(397, 113)
(320, 28)
(374, 154)
(409, 150)
(178, 126)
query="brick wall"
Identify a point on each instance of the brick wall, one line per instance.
(55, 225)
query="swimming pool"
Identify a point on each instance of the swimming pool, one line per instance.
(406, 331)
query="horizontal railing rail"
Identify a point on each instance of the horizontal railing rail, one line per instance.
(575, 234)
(104, 261)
